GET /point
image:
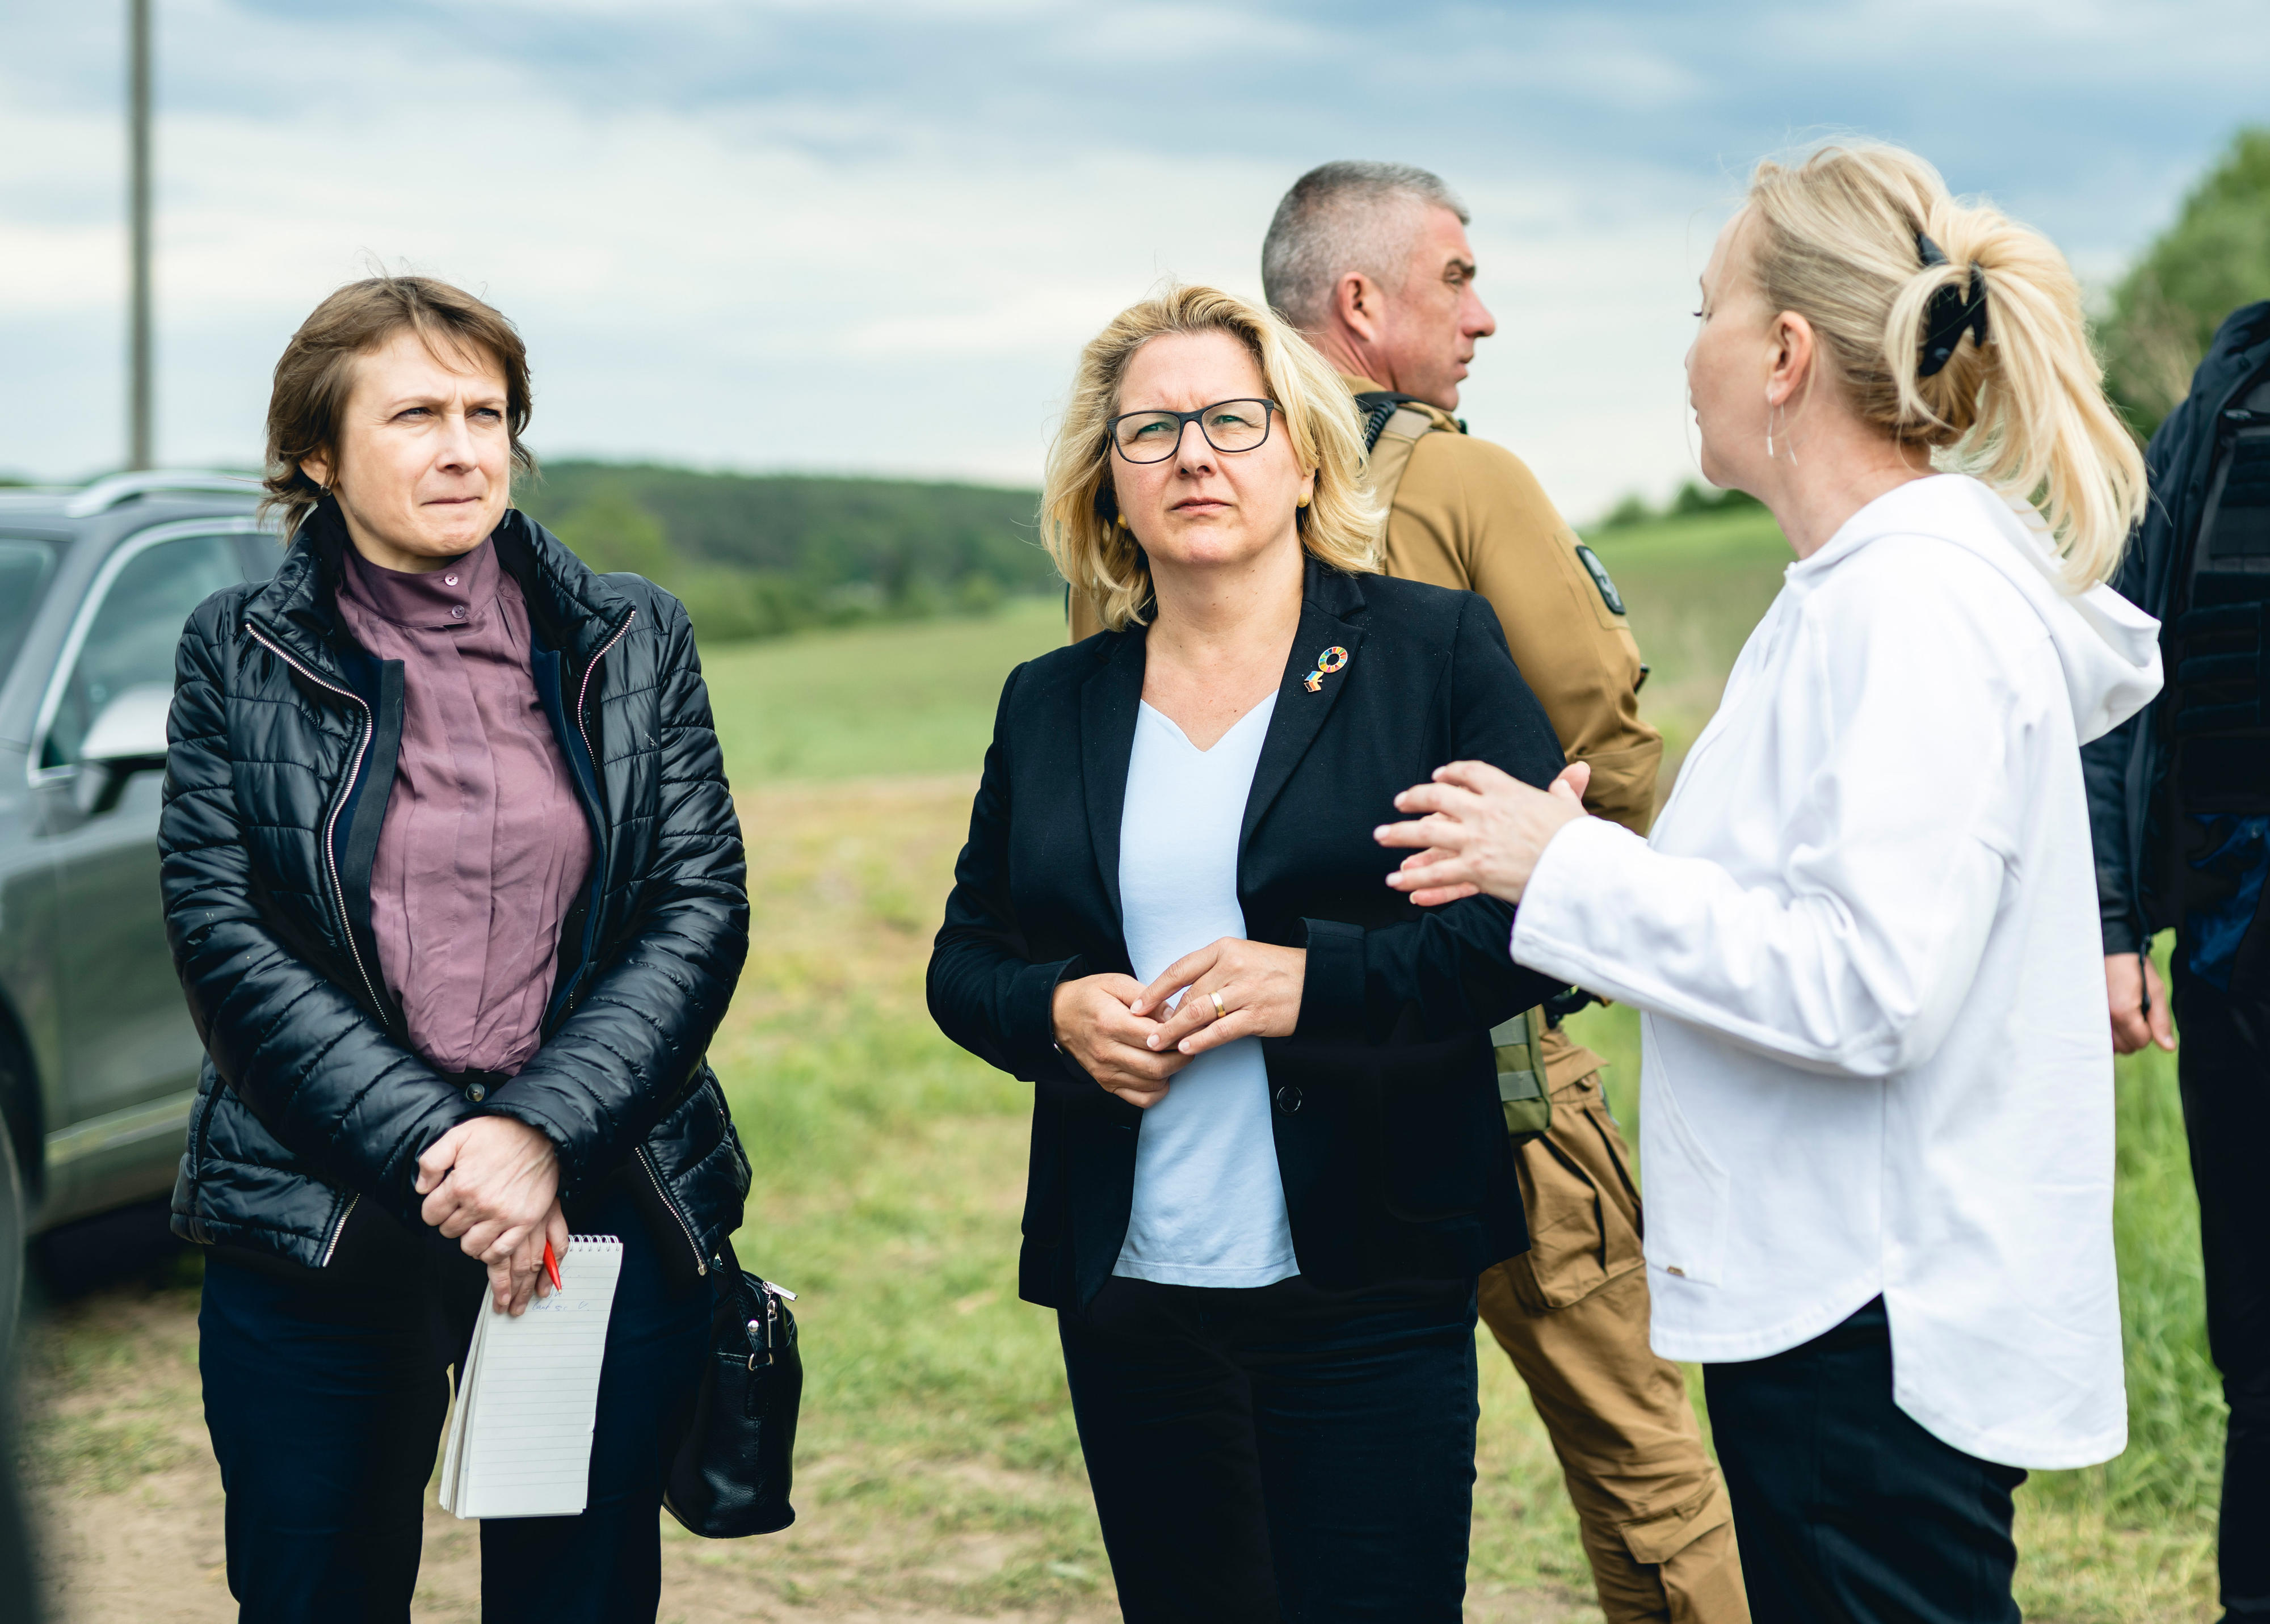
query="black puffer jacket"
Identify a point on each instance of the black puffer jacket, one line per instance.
(284, 733)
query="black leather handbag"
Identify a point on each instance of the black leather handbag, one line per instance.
(731, 1476)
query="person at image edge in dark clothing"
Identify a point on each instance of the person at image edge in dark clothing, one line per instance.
(457, 894)
(1258, 1214)
(2179, 808)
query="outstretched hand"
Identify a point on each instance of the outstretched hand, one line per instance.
(1482, 829)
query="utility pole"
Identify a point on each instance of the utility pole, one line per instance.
(140, 449)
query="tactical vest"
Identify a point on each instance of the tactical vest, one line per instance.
(1392, 428)
(2219, 725)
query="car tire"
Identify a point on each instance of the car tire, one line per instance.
(12, 1242)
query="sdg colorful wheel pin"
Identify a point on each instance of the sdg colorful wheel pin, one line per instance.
(1330, 661)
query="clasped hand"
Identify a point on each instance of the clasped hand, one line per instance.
(1125, 1036)
(492, 1185)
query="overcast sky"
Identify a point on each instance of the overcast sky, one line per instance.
(870, 234)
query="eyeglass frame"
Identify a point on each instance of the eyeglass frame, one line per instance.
(1182, 428)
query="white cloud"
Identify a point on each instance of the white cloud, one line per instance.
(872, 233)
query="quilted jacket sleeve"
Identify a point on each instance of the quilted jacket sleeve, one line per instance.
(317, 1070)
(640, 1030)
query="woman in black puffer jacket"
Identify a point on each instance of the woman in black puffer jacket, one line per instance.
(457, 894)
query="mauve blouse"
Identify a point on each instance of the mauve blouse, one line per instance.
(484, 845)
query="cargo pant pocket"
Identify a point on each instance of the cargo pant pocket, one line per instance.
(1657, 1539)
(1582, 1214)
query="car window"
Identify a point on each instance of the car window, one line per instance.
(135, 628)
(24, 566)
(261, 553)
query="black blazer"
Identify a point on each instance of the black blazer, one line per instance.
(1390, 1140)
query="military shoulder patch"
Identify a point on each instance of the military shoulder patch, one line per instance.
(1599, 575)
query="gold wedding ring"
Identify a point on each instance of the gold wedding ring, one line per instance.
(1218, 1011)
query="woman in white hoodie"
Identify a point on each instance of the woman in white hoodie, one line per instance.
(1877, 1097)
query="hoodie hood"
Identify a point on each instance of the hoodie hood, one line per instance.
(2109, 649)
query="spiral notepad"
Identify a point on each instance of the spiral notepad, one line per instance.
(520, 1436)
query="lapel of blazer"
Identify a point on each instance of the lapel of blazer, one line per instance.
(1331, 599)
(1108, 700)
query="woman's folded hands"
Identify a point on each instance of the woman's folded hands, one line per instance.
(1097, 1027)
(1131, 1038)
(1231, 989)
(492, 1185)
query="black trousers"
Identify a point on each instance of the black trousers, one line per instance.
(1283, 1452)
(325, 1406)
(2222, 1060)
(1846, 1510)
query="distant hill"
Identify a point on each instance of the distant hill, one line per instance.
(757, 554)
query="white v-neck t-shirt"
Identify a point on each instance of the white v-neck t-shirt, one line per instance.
(1209, 1206)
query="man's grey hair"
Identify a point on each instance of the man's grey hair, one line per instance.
(1345, 217)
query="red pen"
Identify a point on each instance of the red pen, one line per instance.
(550, 1263)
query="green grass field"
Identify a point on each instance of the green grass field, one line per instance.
(884, 700)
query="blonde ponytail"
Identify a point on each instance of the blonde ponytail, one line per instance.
(2025, 412)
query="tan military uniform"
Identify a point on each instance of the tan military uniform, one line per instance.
(1571, 1312)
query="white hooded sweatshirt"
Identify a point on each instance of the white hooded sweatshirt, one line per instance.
(1864, 941)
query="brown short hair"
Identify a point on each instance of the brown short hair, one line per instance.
(316, 372)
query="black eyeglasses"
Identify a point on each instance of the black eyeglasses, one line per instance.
(1227, 425)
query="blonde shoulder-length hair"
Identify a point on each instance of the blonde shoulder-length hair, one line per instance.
(1862, 239)
(1100, 557)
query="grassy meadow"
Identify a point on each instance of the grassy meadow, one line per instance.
(938, 1472)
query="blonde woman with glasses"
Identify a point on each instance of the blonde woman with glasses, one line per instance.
(1267, 1160)
(1877, 1100)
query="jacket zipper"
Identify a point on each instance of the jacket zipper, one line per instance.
(700, 1263)
(583, 689)
(338, 1229)
(583, 693)
(332, 820)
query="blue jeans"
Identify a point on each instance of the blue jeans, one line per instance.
(1280, 1452)
(325, 1405)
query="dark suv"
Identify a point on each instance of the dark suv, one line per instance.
(98, 1060)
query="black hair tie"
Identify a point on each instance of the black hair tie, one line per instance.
(1949, 314)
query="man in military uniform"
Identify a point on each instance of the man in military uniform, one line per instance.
(1371, 262)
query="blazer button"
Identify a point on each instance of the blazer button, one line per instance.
(1288, 1098)
(476, 1092)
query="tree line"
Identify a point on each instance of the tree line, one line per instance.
(756, 555)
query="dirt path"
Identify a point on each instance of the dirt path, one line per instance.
(130, 1507)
